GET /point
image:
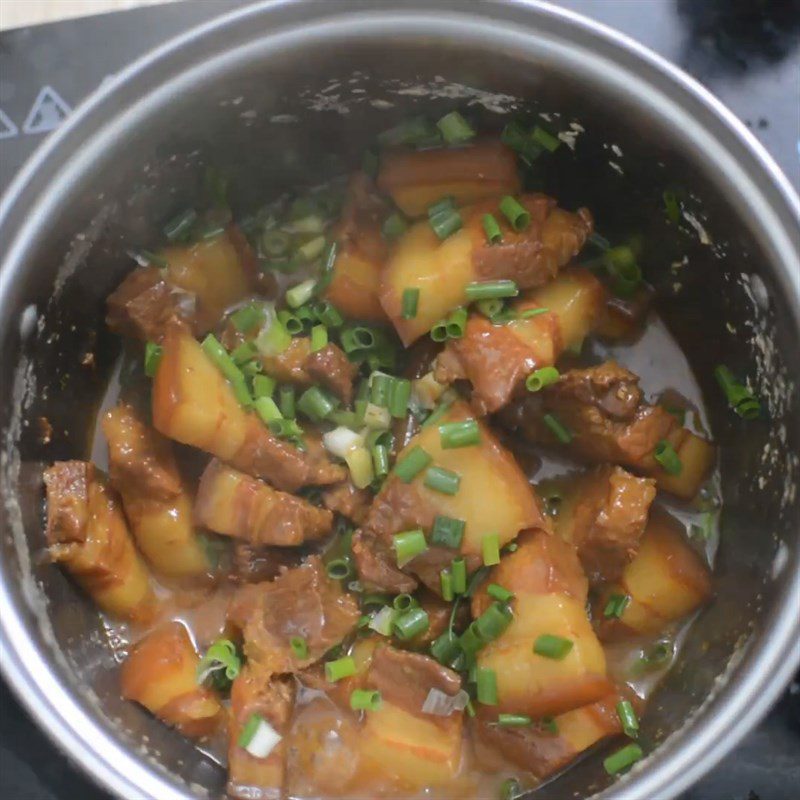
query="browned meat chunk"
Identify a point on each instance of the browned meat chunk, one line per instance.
(404, 679)
(348, 501)
(144, 303)
(235, 504)
(533, 256)
(602, 407)
(376, 565)
(253, 564)
(604, 515)
(302, 602)
(255, 692)
(331, 367)
(88, 534)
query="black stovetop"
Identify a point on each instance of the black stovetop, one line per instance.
(746, 51)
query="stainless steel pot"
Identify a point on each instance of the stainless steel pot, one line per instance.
(289, 92)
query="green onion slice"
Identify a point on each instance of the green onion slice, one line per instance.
(486, 290)
(442, 480)
(492, 230)
(454, 128)
(622, 759)
(557, 429)
(447, 532)
(627, 716)
(486, 680)
(341, 668)
(299, 647)
(490, 546)
(666, 456)
(410, 303)
(549, 645)
(152, 358)
(458, 569)
(513, 720)
(180, 227)
(365, 700)
(394, 226)
(497, 592)
(408, 544)
(616, 605)
(412, 623)
(739, 397)
(517, 215)
(538, 379)
(411, 464)
(459, 434)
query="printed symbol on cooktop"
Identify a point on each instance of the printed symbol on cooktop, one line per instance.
(8, 130)
(47, 112)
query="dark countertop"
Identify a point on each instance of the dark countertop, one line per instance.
(746, 51)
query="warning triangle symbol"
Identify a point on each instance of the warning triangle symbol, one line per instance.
(7, 127)
(47, 112)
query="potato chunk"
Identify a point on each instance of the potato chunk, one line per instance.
(87, 533)
(497, 358)
(161, 674)
(665, 582)
(234, 504)
(415, 180)
(156, 503)
(195, 405)
(550, 588)
(441, 270)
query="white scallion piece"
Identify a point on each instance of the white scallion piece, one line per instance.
(377, 418)
(340, 441)
(259, 738)
(381, 622)
(443, 705)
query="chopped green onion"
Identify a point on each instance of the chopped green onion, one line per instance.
(413, 131)
(286, 402)
(299, 647)
(552, 646)
(310, 250)
(492, 229)
(518, 138)
(672, 206)
(666, 456)
(394, 226)
(221, 663)
(292, 323)
(447, 532)
(438, 412)
(341, 668)
(380, 389)
(275, 243)
(373, 600)
(497, 592)
(532, 312)
(487, 290)
(513, 720)
(247, 317)
(704, 530)
(408, 544)
(557, 429)
(510, 789)
(267, 409)
(486, 680)
(459, 571)
(459, 434)
(442, 480)
(244, 353)
(410, 303)
(225, 364)
(622, 267)
(455, 128)
(179, 228)
(546, 139)
(439, 331)
(319, 338)
(300, 294)
(273, 340)
(288, 429)
(657, 656)
(540, 378)
(327, 314)
(627, 716)
(493, 622)
(404, 602)
(518, 216)
(446, 580)
(357, 338)
(445, 647)
(399, 395)
(365, 700)
(739, 397)
(152, 358)
(444, 217)
(622, 759)
(380, 460)
(490, 546)
(490, 307)
(316, 404)
(411, 464)
(412, 623)
(339, 569)
(616, 605)
(456, 323)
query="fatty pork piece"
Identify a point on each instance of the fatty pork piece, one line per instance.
(399, 740)
(603, 409)
(87, 533)
(161, 674)
(550, 600)
(234, 504)
(665, 582)
(361, 252)
(493, 496)
(347, 500)
(543, 748)
(198, 283)
(497, 358)
(256, 563)
(603, 514)
(442, 269)
(195, 405)
(156, 503)
(303, 602)
(262, 704)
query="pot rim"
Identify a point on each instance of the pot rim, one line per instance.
(762, 673)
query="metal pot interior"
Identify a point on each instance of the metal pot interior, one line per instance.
(297, 109)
